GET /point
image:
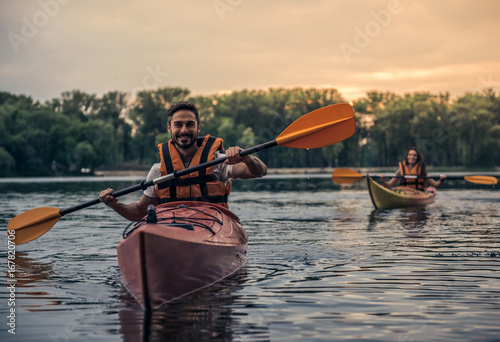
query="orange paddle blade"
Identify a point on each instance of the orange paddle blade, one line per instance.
(345, 176)
(322, 127)
(32, 224)
(488, 180)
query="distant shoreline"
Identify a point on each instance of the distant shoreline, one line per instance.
(310, 170)
(274, 173)
(284, 171)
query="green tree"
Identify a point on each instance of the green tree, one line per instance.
(76, 104)
(476, 123)
(112, 108)
(7, 162)
(149, 114)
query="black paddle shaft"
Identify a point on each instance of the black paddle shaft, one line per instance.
(176, 174)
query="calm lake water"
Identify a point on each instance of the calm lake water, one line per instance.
(322, 266)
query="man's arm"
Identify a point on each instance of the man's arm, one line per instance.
(132, 211)
(245, 167)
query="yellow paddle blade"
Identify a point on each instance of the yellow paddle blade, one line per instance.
(345, 176)
(32, 224)
(488, 180)
(322, 127)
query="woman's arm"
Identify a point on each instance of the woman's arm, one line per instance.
(393, 182)
(390, 184)
(437, 183)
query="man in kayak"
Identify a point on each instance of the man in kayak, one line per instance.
(185, 149)
(414, 167)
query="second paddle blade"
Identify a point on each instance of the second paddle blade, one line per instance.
(322, 127)
(488, 180)
(345, 176)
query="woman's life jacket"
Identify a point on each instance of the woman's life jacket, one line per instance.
(413, 181)
(201, 185)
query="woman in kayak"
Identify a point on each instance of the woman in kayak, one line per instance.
(185, 149)
(412, 173)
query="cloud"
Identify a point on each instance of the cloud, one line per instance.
(208, 46)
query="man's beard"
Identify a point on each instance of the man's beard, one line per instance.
(185, 144)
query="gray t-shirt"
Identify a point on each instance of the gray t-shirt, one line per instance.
(222, 171)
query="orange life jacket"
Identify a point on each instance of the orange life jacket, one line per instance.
(201, 185)
(412, 182)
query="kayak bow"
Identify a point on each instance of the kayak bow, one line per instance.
(192, 245)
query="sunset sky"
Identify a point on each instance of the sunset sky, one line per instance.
(51, 46)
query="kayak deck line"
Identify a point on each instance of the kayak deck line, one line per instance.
(178, 221)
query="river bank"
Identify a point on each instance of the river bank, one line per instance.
(316, 170)
(287, 171)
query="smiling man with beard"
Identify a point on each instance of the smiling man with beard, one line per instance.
(185, 149)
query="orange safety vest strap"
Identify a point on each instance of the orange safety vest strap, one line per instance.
(202, 182)
(417, 183)
(200, 179)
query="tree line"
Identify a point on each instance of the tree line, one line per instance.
(80, 132)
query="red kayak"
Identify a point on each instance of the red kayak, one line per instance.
(192, 245)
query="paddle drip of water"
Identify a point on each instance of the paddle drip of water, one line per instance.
(307, 163)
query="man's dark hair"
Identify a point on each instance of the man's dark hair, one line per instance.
(183, 105)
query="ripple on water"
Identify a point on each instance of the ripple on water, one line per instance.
(322, 265)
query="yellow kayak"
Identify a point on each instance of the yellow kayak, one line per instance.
(399, 197)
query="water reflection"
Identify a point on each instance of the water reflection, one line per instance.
(411, 219)
(374, 218)
(202, 316)
(31, 282)
(414, 219)
(30, 270)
